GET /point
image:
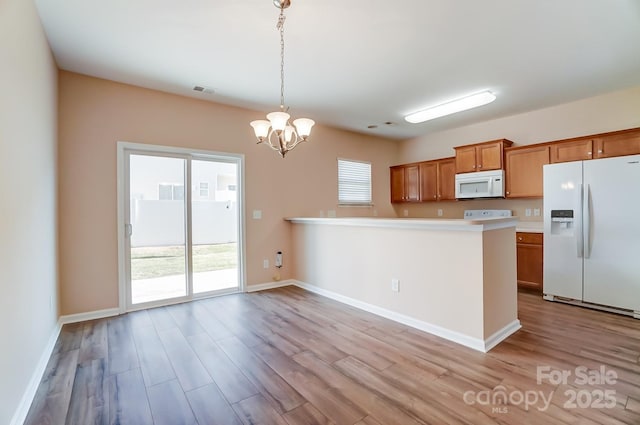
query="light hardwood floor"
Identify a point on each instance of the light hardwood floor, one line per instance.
(288, 356)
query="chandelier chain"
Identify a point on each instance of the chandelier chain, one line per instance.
(280, 26)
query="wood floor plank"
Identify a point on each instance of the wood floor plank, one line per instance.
(128, 402)
(210, 406)
(71, 336)
(185, 319)
(169, 405)
(272, 387)
(307, 415)
(94, 341)
(90, 401)
(187, 366)
(227, 376)
(318, 392)
(212, 326)
(123, 355)
(51, 403)
(258, 411)
(377, 406)
(233, 316)
(161, 318)
(154, 363)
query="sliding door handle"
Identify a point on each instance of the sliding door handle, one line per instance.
(128, 230)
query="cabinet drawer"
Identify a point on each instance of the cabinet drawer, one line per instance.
(531, 238)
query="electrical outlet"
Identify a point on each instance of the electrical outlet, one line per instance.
(440, 212)
(406, 213)
(527, 212)
(375, 213)
(265, 263)
(321, 213)
(257, 214)
(331, 213)
(395, 285)
(536, 212)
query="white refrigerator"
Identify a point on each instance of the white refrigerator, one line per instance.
(592, 233)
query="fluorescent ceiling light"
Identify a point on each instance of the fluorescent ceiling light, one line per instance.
(452, 107)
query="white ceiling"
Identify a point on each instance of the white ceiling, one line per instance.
(356, 63)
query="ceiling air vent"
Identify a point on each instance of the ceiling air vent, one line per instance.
(202, 89)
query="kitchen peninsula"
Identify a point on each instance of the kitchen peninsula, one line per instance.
(453, 278)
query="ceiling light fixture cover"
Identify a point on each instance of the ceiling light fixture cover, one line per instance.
(277, 133)
(451, 107)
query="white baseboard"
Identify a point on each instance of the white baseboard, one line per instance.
(501, 335)
(27, 398)
(90, 315)
(457, 337)
(269, 285)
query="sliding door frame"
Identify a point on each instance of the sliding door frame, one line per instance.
(124, 148)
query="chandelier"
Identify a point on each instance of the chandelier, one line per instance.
(277, 133)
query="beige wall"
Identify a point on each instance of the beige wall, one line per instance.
(28, 274)
(95, 114)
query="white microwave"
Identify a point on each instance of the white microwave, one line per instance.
(483, 184)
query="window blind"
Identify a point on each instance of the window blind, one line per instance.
(354, 182)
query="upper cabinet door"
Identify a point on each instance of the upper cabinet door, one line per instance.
(524, 177)
(489, 157)
(577, 150)
(466, 159)
(412, 183)
(429, 181)
(447, 179)
(397, 184)
(626, 143)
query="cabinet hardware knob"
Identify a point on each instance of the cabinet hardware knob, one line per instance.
(479, 166)
(474, 166)
(434, 196)
(520, 238)
(508, 193)
(599, 150)
(589, 153)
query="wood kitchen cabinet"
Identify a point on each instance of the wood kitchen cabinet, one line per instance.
(529, 250)
(523, 175)
(575, 150)
(437, 180)
(481, 156)
(605, 145)
(447, 179)
(405, 183)
(620, 143)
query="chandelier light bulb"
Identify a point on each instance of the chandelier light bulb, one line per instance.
(278, 120)
(261, 128)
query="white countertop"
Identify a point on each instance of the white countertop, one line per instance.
(478, 225)
(530, 226)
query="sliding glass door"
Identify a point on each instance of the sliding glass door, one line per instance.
(182, 226)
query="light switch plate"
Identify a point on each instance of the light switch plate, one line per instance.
(536, 212)
(527, 212)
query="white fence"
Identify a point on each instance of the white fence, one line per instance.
(158, 223)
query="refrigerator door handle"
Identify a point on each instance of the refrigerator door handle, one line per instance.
(587, 221)
(578, 224)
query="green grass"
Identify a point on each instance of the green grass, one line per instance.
(148, 262)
